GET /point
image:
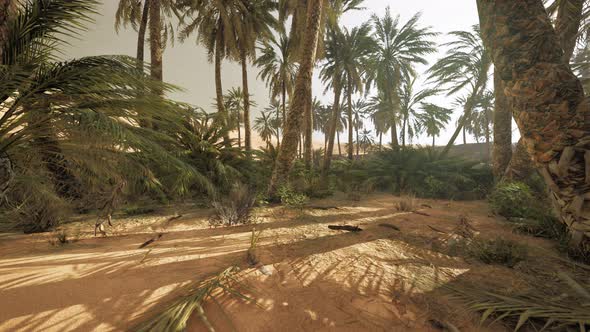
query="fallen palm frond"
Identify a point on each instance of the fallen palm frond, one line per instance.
(175, 317)
(555, 313)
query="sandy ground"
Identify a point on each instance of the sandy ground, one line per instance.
(315, 279)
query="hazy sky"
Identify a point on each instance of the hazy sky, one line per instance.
(186, 64)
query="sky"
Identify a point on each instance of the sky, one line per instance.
(186, 65)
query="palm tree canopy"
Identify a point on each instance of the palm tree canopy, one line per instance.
(277, 67)
(432, 118)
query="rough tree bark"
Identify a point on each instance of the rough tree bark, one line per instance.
(141, 34)
(569, 16)
(308, 141)
(6, 170)
(288, 149)
(333, 125)
(502, 147)
(156, 47)
(350, 121)
(548, 104)
(222, 112)
(247, 133)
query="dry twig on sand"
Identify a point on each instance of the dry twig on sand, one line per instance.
(345, 228)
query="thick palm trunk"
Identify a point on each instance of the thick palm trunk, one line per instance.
(293, 128)
(520, 166)
(6, 167)
(308, 148)
(404, 131)
(350, 125)
(548, 104)
(356, 129)
(380, 141)
(394, 141)
(218, 86)
(566, 26)
(156, 48)
(432, 140)
(141, 34)
(239, 131)
(502, 149)
(464, 135)
(333, 126)
(247, 133)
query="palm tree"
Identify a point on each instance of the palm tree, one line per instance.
(139, 14)
(548, 103)
(264, 127)
(214, 23)
(408, 102)
(357, 46)
(432, 119)
(256, 23)
(379, 110)
(277, 69)
(277, 122)
(481, 122)
(234, 103)
(502, 146)
(302, 88)
(365, 140)
(399, 49)
(359, 110)
(465, 67)
(74, 122)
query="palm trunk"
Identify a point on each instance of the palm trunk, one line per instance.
(432, 140)
(350, 125)
(467, 109)
(464, 135)
(6, 167)
(141, 34)
(356, 129)
(404, 131)
(502, 149)
(380, 141)
(156, 47)
(247, 133)
(548, 103)
(338, 142)
(566, 26)
(333, 126)
(284, 108)
(308, 146)
(239, 131)
(293, 129)
(222, 112)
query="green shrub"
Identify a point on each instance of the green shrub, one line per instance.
(291, 198)
(497, 251)
(513, 200)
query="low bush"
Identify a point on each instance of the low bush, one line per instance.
(235, 208)
(291, 198)
(513, 200)
(497, 251)
(406, 204)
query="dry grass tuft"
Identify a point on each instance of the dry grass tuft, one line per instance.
(406, 204)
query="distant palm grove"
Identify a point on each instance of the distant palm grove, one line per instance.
(91, 135)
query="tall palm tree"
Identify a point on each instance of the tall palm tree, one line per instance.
(365, 140)
(149, 15)
(399, 48)
(277, 69)
(255, 24)
(234, 103)
(359, 110)
(480, 125)
(288, 149)
(432, 119)
(502, 146)
(548, 104)
(277, 121)
(408, 102)
(464, 68)
(357, 46)
(296, 9)
(264, 127)
(379, 110)
(215, 24)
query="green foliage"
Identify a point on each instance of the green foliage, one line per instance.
(291, 198)
(497, 251)
(561, 313)
(416, 171)
(513, 199)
